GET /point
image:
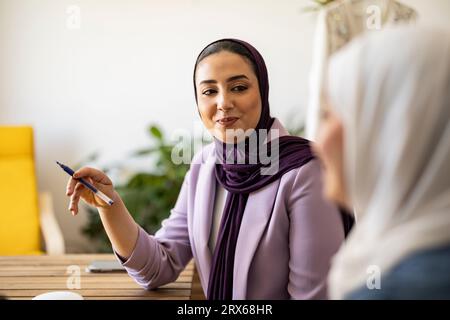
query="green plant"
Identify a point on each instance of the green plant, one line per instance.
(149, 196)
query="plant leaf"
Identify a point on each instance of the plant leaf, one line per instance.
(144, 152)
(156, 132)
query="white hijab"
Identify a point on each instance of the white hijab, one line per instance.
(392, 92)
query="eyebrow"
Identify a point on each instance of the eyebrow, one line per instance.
(240, 76)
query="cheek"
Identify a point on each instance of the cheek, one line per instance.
(329, 149)
(329, 144)
(207, 112)
(250, 108)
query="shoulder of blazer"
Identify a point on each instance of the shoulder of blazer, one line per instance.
(300, 180)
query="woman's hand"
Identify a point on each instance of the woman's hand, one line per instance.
(77, 190)
(119, 225)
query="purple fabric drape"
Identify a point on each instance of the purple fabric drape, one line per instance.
(241, 179)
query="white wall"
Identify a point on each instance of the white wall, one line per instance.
(130, 64)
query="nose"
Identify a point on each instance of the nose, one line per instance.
(224, 102)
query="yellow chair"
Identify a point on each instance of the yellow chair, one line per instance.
(24, 215)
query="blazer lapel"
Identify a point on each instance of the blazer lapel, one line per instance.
(256, 216)
(202, 217)
(257, 213)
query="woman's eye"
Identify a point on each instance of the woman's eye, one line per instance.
(239, 88)
(208, 92)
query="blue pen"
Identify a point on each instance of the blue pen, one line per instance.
(97, 192)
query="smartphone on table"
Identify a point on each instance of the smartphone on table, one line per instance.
(105, 266)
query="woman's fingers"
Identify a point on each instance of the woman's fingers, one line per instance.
(96, 175)
(70, 186)
(75, 198)
(76, 190)
(86, 173)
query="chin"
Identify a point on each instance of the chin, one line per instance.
(221, 135)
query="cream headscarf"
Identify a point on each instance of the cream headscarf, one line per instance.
(392, 92)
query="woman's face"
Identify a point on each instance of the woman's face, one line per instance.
(330, 149)
(228, 95)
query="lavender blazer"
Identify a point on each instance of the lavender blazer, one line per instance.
(288, 235)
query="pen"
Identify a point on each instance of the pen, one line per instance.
(97, 192)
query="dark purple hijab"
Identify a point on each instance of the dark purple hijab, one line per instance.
(242, 179)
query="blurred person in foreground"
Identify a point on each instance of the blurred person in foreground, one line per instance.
(385, 147)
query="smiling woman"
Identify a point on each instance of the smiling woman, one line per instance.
(227, 91)
(253, 235)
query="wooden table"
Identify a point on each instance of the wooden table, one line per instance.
(24, 277)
